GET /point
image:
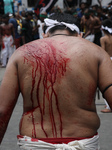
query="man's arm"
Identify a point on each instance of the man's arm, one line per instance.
(13, 32)
(90, 28)
(105, 76)
(102, 42)
(9, 92)
(98, 26)
(100, 3)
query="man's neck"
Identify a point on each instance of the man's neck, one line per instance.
(60, 32)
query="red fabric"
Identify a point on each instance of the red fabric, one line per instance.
(3, 46)
(56, 140)
(17, 42)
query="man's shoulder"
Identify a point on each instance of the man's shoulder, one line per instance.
(104, 38)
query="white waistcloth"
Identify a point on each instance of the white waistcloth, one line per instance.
(7, 50)
(27, 143)
(90, 37)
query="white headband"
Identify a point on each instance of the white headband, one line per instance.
(107, 28)
(52, 23)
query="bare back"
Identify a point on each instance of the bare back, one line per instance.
(58, 85)
(7, 29)
(57, 77)
(106, 43)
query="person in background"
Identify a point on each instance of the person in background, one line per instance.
(82, 9)
(17, 39)
(35, 27)
(106, 44)
(1, 7)
(96, 28)
(26, 33)
(87, 23)
(40, 23)
(58, 77)
(8, 6)
(7, 39)
(69, 4)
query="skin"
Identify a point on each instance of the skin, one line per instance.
(106, 43)
(88, 23)
(6, 29)
(58, 77)
(97, 24)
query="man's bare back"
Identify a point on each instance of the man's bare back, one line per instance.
(7, 29)
(58, 85)
(106, 40)
(106, 43)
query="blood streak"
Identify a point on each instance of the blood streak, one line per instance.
(47, 65)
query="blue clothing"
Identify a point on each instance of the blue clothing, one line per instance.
(8, 6)
(80, 14)
(14, 22)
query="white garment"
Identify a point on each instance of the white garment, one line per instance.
(27, 143)
(107, 105)
(7, 50)
(40, 30)
(90, 37)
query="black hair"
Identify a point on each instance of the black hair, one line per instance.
(96, 6)
(62, 17)
(107, 23)
(5, 16)
(28, 13)
(82, 3)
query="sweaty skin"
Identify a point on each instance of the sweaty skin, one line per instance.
(7, 29)
(106, 44)
(58, 78)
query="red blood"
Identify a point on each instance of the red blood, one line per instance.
(48, 64)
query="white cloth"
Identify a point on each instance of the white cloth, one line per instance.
(52, 23)
(26, 143)
(90, 37)
(107, 29)
(7, 50)
(107, 105)
(40, 30)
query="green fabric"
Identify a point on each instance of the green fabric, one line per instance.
(43, 16)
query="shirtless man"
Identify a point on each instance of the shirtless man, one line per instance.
(106, 44)
(87, 24)
(58, 77)
(96, 28)
(7, 40)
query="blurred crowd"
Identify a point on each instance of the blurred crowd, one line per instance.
(18, 28)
